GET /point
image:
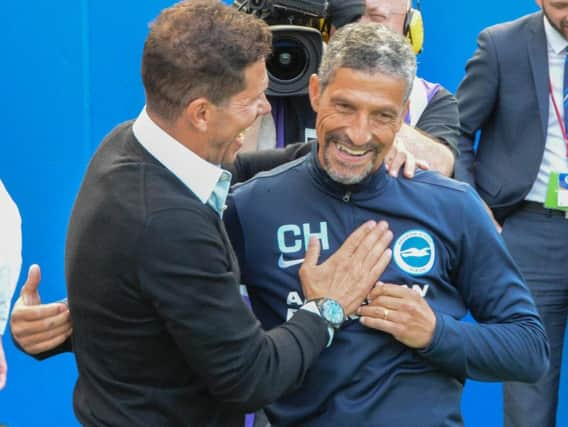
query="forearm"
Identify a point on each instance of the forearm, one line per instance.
(464, 165)
(515, 351)
(216, 333)
(274, 363)
(508, 342)
(64, 347)
(477, 96)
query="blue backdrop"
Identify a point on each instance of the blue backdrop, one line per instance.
(70, 72)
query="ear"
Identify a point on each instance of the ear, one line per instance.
(314, 89)
(198, 113)
(405, 109)
(401, 117)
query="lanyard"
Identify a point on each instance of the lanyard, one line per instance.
(558, 116)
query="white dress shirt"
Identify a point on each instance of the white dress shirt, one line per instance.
(554, 159)
(207, 181)
(10, 252)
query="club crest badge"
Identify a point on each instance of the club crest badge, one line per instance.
(414, 252)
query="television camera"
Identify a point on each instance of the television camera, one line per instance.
(299, 28)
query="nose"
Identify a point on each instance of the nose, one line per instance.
(359, 130)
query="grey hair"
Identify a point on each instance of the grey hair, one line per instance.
(371, 48)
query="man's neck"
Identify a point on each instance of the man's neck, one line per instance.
(180, 132)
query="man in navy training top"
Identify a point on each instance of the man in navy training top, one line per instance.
(405, 360)
(431, 126)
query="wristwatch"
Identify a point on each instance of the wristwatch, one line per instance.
(330, 311)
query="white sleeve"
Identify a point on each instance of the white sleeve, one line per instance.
(10, 252)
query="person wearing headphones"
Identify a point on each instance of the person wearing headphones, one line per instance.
(431, 128)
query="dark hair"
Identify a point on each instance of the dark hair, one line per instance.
(199, 48)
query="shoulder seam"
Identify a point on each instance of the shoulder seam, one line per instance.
(450, 184)
(274, 172)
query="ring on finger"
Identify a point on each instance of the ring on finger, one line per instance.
(386, 314)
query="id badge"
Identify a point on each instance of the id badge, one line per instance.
(562, 195)
(557, 192)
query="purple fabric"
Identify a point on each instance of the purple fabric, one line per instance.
(249, 420)
(431, 90)
(246, 299)
(278, 115)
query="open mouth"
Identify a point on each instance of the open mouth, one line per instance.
(352, 151)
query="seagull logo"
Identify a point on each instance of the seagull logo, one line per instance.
(415, 252)
(283, 263)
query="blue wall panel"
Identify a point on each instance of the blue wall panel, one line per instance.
(70, 71)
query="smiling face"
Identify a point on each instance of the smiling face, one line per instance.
(235, 115)
(358, 116)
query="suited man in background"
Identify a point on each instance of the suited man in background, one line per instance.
(513, 93)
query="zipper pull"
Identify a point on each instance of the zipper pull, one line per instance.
(347, 197)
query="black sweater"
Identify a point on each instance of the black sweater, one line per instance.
(160, 332)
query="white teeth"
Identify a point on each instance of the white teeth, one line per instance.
(350, 151)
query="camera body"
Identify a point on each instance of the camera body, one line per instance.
(297, 42)
(316, 8)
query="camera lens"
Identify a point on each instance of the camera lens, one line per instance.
(296, 54)
(288, 61)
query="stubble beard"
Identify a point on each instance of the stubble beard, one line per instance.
(343, 178)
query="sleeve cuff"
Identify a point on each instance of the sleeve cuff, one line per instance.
(312, 307)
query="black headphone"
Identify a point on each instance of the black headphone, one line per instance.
(413, 28)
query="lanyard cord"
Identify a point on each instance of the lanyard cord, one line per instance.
(558, 116)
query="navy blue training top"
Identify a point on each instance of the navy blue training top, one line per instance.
(445, 247)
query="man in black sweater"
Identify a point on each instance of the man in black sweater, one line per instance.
(160, 333)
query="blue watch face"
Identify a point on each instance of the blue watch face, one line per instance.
(333, 312)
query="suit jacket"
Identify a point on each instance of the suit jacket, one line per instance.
(160, 332)
(505, 96)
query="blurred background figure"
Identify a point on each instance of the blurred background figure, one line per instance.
(10, 264)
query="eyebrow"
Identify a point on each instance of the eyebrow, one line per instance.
(385, 109)
(340, 98)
